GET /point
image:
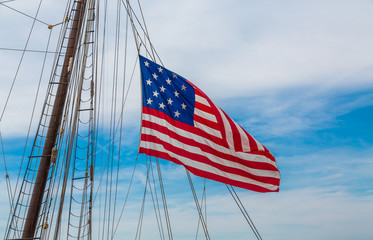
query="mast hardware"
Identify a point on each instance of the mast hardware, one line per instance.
(91, 168)
(45, 225)
(54, 154)
(38, 156)
(58, 83)
(86, 109)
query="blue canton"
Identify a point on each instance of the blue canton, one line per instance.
(167, 92)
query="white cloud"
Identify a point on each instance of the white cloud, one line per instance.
(243, 47)
(337, 167)
(309, 213)
(295, 110)
(314, 214)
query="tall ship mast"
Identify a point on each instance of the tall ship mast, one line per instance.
(77, 173)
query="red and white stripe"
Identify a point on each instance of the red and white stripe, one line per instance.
(215, 147)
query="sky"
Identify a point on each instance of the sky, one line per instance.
(297, 75)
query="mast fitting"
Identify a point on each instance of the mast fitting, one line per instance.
(54, 154)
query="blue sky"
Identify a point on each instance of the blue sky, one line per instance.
(297, 75)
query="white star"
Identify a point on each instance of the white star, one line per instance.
(176, 94)
(183, 106)
(168, 81)
(174, 75)
(183, 87)
(146, 63)
(161, 105)
(149, 101)
(169, 101)
(155, 93)
(155, 76)
(163, 89)
(177, 114)
(148, 82)
(160, 69)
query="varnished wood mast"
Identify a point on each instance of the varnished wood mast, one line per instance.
(54, 125)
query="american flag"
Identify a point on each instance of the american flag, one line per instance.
(181, 124)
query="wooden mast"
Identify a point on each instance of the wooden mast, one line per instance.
(54, 125)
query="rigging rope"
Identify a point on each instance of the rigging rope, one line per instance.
(168, 223)
(114, 94)
(8, 185)
(146, 29)
(13, 195)
(157, 210)
(50, 179)
(243, 211)
(49, 197)
(203, 223)
(23, 50)
(141, 217)
(70, 148)
(7, 1)
(126, 198)
(203, 200)
(115, 76)
(21, 60)
(34, 18)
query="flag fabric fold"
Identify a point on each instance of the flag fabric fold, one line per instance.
(181, 124)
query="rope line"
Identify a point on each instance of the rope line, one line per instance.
(203, 223)
(127, 195)
(141, 217)
(203, 201)
(8, 185)
(33, 18)
(15, 77)
(156, 204)
(21, 60)
(28, 50)
(243, 211)
(167, 217)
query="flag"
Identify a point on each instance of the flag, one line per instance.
(181, 124)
